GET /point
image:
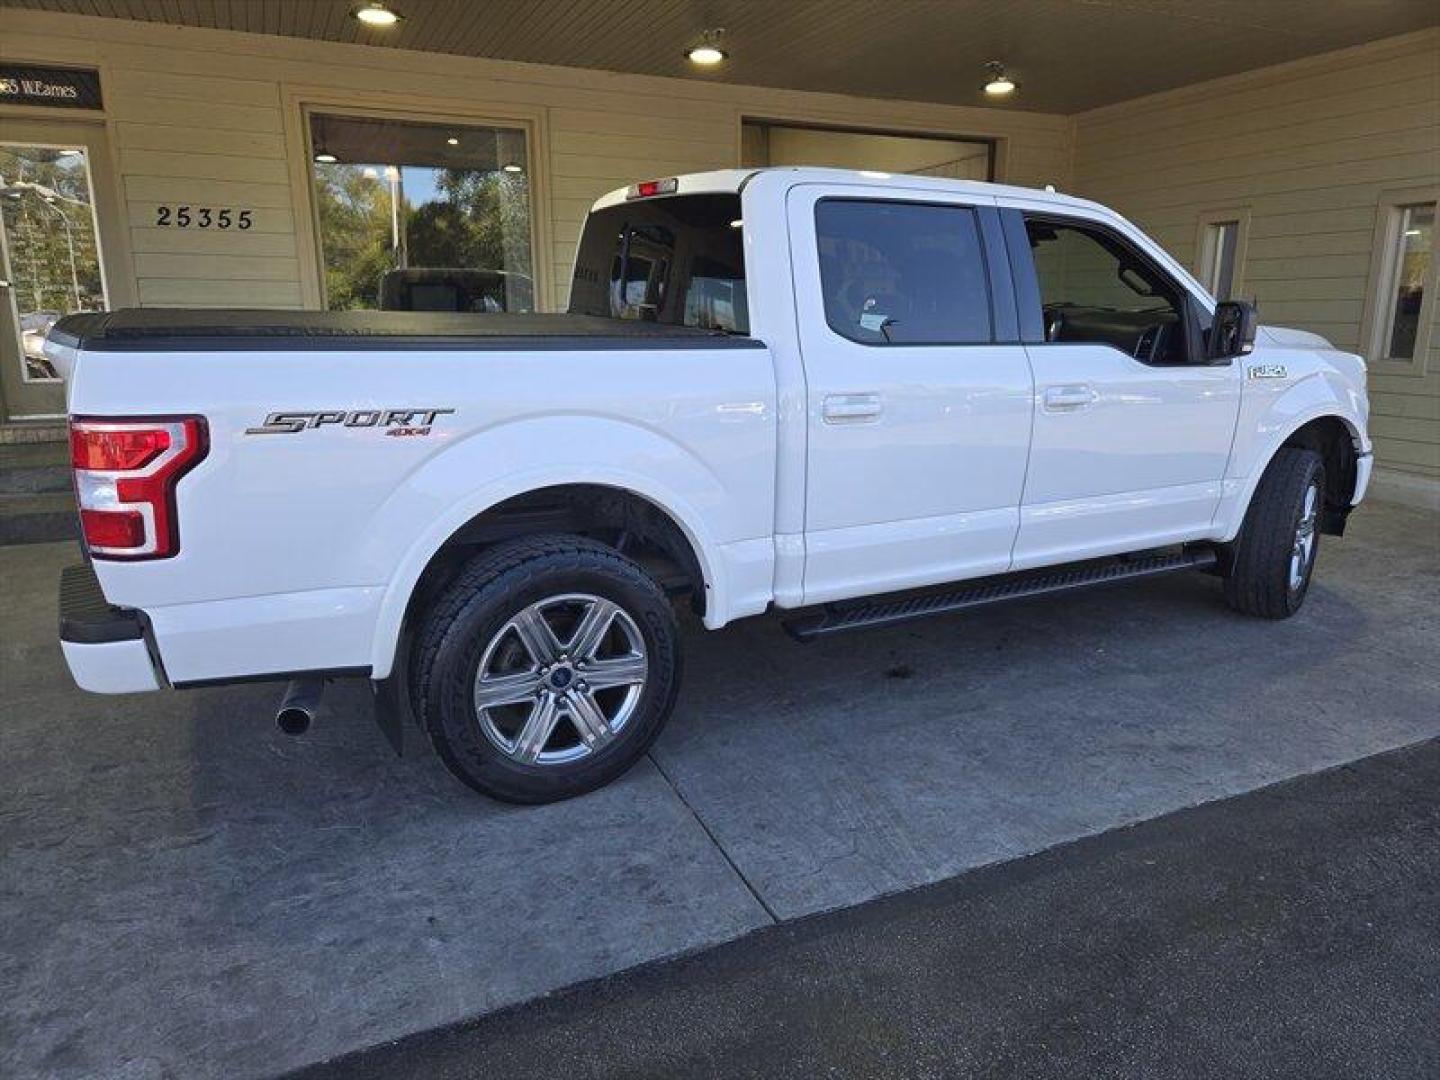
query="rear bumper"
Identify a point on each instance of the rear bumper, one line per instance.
(106, 648)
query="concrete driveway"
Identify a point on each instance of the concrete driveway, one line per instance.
(185, 891)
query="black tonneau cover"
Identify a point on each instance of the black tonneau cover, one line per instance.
(223, 330)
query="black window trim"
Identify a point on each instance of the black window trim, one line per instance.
(997, 273)
(1032, 307)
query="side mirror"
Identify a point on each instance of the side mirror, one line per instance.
(1232, 332)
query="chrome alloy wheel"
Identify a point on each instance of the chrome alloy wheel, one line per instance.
(560, 680)
(1304, 549)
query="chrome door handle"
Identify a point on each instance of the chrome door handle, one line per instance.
(1069, 398)
(850, 408)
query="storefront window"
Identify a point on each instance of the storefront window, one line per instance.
(421, 216)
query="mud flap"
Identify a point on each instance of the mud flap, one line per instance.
(392, 712)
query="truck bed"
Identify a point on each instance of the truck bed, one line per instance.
(233, 330)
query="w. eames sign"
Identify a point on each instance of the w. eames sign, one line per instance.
(52, 87)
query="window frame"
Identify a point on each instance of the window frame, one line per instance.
(985, 231)
(1211, 219)
(1380, 284)
(1190, 309)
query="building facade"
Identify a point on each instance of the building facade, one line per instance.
(173, 166)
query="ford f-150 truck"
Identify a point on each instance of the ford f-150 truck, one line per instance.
(854, 397)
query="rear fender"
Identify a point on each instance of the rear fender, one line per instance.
(441, 496)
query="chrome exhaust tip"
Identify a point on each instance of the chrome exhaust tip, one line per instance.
(299, 705)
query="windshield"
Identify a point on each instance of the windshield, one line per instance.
(676, 261)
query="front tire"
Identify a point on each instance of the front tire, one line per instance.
(546, 668)
(1273, 558)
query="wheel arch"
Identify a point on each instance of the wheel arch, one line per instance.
(670, 539)
(1334, 439)
(1338, 438)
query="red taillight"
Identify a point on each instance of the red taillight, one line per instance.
(113, 528)
(125, 475)
(115, 450)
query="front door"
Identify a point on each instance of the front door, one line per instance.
(918, 391)
(52, 258)
(1132, 429)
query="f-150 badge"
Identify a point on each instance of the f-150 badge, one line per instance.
(1267, 371)
(397, 422)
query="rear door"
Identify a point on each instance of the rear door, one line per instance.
(918, 390)
(1133, 426)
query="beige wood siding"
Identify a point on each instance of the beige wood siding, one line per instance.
(1309, 148)
(212, 118)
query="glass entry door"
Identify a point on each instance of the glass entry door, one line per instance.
(50, 259)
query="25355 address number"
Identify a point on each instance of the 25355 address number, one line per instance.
(203, 217)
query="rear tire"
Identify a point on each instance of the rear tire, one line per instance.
(1273, 558)
(546, 668)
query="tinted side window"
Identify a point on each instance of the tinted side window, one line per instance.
(902, 273)
(1094, 289)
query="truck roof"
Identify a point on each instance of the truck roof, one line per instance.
(730, 181)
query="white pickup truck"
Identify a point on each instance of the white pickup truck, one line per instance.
(856, 397)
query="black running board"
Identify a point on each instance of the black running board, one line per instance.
(864, 614)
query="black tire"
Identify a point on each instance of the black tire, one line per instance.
(488, 593)
(1259, 581)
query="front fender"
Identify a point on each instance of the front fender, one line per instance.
(1268, 417)
(522, 456)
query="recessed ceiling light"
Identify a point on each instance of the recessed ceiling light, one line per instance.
(326, 158)
(706, 55)
(376, 14)
(512, 167)
(999, 84)
(453, 141)
(707, 52)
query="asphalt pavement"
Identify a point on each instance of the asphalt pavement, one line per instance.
(1292, 932)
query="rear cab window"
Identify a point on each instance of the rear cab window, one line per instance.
(675, 260)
